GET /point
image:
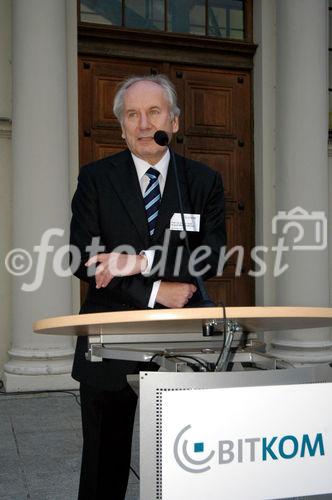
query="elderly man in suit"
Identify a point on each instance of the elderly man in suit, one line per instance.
(130, 198)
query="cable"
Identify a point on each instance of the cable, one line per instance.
(134, 472)
(76, 396)
(197, 360)
(225, 332)
(24, 393)
(153, 357)
(206, 301)
(179, 356)
(162, 139)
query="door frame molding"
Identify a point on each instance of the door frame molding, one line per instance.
(169, 47)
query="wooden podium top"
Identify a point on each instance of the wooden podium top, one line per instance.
(252, 319)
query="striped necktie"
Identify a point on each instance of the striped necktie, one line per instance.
(152, 199)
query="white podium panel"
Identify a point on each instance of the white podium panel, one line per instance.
(247, 443)
(242, 436)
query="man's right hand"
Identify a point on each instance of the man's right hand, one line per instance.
(115, 264)
(175, 295)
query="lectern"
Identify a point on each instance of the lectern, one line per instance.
(264, 431)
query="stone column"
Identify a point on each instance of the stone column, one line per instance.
(302, 167)
(5, 177)
(264, 17)
(40, 195)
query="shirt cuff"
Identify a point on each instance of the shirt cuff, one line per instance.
(149, 254)
(153, 296)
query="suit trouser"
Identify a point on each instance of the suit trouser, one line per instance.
(107, 424)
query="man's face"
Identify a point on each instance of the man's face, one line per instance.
(146, 110)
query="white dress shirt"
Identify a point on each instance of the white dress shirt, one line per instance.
(141, 169)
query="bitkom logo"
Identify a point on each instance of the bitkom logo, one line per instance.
(183, 457)
(251, 449)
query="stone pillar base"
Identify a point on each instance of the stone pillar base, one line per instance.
(299, 353)
(27, 383)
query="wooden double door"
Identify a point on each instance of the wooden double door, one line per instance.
(215, 128)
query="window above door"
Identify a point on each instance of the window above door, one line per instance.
(223, 19)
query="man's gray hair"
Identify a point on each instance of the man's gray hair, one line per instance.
(161, 80)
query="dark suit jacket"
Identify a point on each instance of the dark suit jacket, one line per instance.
(108, 204)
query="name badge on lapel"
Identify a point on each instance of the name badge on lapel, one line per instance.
(192, 222)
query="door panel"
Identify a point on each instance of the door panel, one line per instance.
(208, 109)
(104, 88)
(216, 130)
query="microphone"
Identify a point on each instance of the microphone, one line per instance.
(162, 139)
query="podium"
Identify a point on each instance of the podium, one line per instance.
(264, 431)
